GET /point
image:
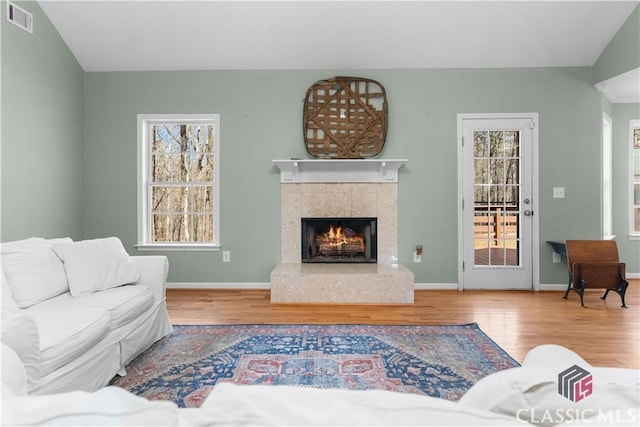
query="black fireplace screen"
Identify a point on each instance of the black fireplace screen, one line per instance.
(342, 240)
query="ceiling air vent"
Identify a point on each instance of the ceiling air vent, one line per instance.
(20, 17)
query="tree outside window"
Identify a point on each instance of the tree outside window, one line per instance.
(179, 181)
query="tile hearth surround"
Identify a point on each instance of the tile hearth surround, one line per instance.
(386, 282)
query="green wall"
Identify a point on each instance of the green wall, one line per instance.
(42, 124)
(620, 56)
(623, 52)
(69, 143)
(261, 121)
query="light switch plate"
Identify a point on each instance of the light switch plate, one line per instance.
(558, 192)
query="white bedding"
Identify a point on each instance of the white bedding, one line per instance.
(234, 405)
(239, 405)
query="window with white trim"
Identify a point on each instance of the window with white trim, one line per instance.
(178, 181)
(634, 178)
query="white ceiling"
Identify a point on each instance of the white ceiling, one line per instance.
(234, 35)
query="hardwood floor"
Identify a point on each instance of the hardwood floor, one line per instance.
(604, 334)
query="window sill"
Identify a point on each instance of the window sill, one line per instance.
(634, 236)
(179, 248)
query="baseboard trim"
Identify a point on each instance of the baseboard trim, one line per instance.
(553, 286)
(435, 286)
(266, 285)
(416, 286)
(219, 285)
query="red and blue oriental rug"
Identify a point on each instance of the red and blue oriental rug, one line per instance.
(439, 361)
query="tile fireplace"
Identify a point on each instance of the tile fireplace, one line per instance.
(318, 194)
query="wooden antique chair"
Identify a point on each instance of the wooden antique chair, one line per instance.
(595, 264)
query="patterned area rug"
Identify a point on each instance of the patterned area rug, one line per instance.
(439, 361)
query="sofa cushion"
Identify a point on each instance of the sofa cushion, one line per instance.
(95, 265)
(33, 270)
(14, 377)
(20, 333)
(66, 334)
(8, 303)
(123, 303)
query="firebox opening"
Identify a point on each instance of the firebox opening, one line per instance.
(339, 240)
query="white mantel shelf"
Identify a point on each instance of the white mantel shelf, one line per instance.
(339, 170)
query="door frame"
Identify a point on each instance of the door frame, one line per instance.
(535, 194)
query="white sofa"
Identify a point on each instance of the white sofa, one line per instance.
(76, 313)
(520, 396)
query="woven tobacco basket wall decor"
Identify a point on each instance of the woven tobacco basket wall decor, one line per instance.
(345, 118)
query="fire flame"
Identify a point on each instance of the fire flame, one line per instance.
(336, 236)
(340, 240)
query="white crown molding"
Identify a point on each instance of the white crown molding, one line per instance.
(604, 89)
(622, 89)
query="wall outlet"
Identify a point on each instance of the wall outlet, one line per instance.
(417, 257)
(226, 256)
(556, 258)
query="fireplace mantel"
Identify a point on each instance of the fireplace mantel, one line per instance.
(339, 170)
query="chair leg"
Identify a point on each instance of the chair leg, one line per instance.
(580, 291)
(568, 286)
(620, 290)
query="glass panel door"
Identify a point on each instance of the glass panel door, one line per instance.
(496, 204)
(496, 218)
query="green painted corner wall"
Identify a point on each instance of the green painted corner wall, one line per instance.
(261, 120)
(69, 142)
(42, 125)
(622, 54)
